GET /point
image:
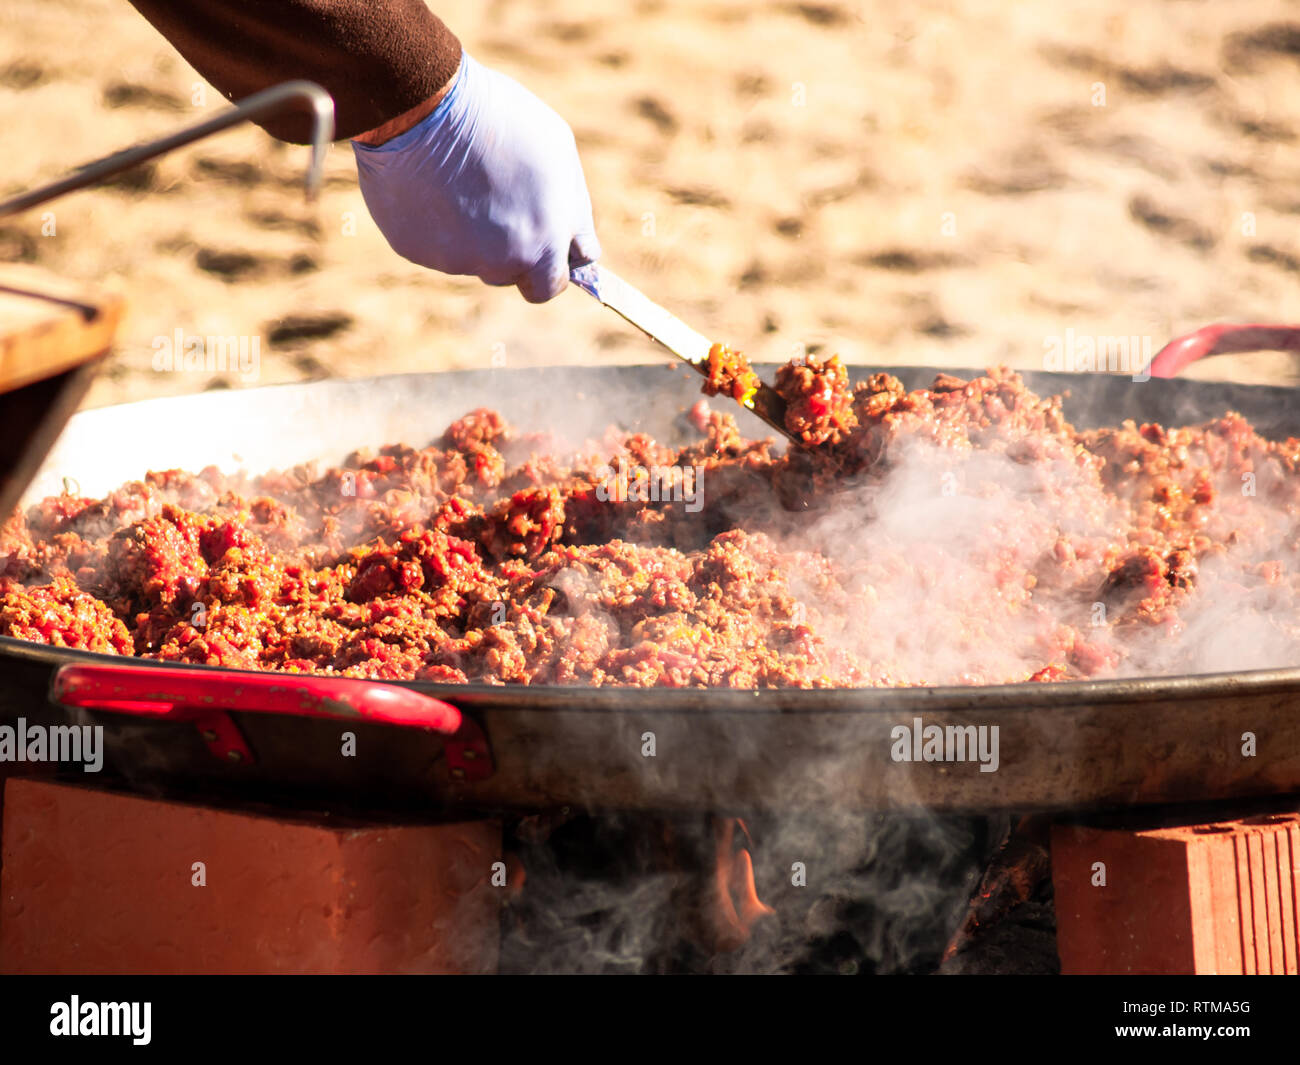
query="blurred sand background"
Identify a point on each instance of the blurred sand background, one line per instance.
(935, 182)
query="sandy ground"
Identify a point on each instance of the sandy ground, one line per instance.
(943, 182)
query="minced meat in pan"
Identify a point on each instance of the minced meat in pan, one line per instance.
(964, 533)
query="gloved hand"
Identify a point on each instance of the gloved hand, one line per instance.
(488, 184)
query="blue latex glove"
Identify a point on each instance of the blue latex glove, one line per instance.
(489, 184)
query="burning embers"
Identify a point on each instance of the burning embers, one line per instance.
(634, 893)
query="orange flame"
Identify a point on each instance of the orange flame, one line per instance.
(733, 907)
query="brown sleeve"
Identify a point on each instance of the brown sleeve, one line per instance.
(377, 58)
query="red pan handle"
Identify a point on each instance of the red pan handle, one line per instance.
(1222, 339)
(204, 697)
(180, 693)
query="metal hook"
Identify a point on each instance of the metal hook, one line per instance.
(261, 104)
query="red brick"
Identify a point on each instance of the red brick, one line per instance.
(1207, 898)
(100, 882)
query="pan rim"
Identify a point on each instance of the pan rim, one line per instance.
(1020, 696)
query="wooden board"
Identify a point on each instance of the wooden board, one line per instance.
(49, 325)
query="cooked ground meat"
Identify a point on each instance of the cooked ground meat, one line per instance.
(965, 533)
(62, 615)
(820, 404)
(729, 374)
